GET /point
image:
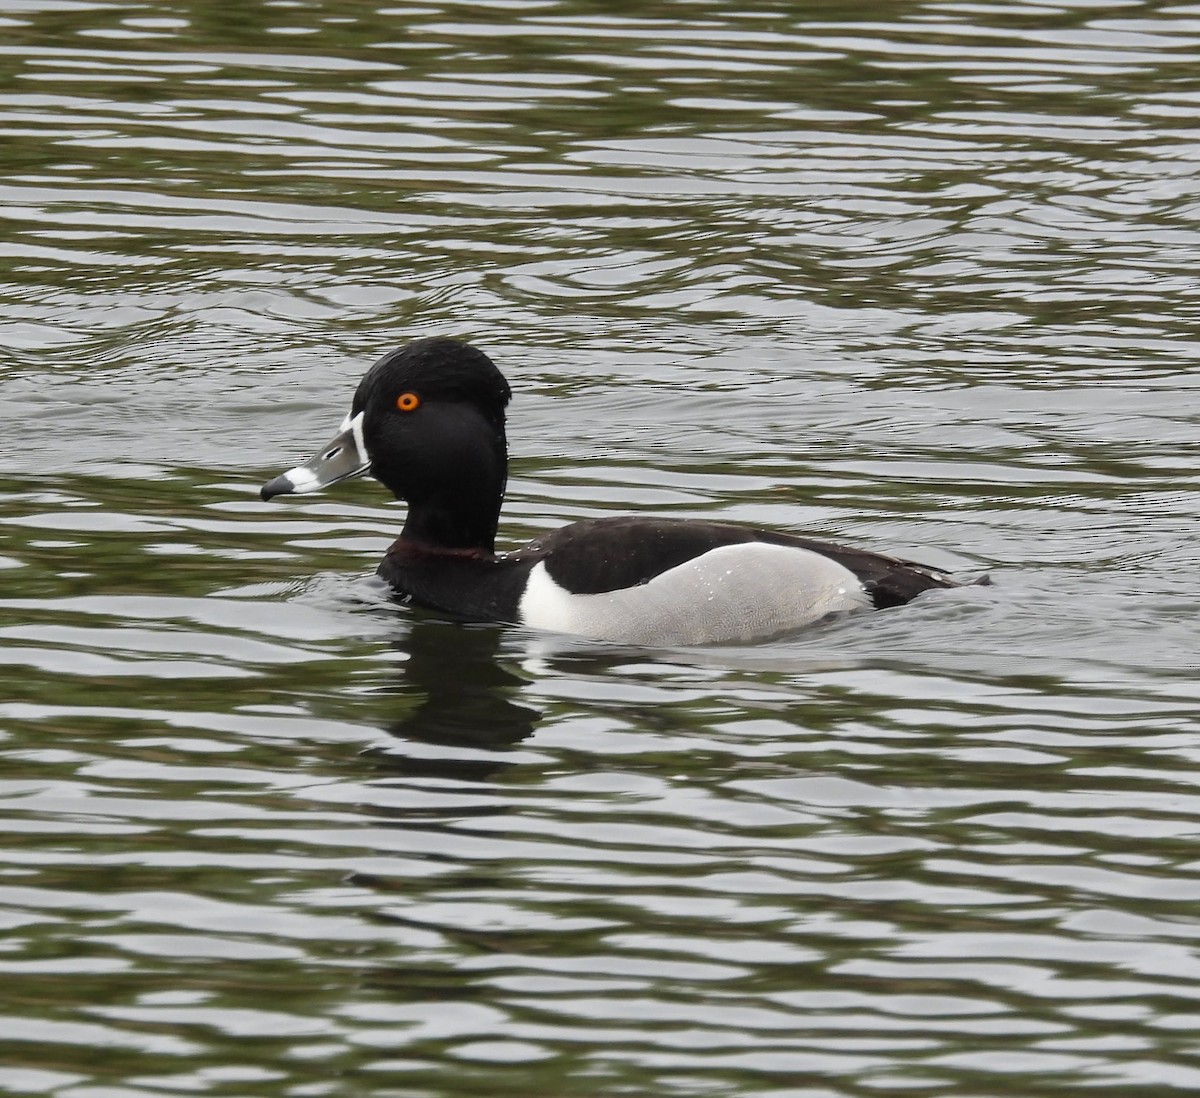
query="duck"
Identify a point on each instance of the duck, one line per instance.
(428, 423)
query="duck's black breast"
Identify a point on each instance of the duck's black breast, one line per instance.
(472, 586)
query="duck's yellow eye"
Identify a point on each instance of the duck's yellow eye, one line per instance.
(408, 402)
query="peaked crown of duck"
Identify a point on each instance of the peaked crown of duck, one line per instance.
(436, 368)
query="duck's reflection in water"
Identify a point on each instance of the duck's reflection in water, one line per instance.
(460, 696)
(455, 732)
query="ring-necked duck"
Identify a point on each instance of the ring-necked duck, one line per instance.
(428, 422)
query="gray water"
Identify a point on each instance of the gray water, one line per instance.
(922, 277)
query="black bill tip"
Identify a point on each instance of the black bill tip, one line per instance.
(280, 486)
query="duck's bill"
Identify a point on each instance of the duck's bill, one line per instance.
(343, 457)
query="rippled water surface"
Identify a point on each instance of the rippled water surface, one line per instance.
(918, 276)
